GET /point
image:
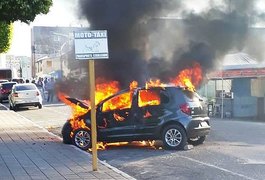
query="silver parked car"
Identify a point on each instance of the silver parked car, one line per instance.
(24, 95)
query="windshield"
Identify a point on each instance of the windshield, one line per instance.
(8, 85)
(192, 96)
(26, 87)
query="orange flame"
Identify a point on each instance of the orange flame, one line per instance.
(133, 85)
(122, 101)
(118, 117)
(154, 83)
(190, 77)
(147, 97)
(104, 90)
(147, 114)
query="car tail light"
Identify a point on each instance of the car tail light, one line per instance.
(37, 93)
(15, 94)
(3, 91)
(185, 108)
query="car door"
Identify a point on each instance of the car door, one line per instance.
(150, 111)
(114, 118)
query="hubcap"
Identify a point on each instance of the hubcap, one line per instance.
(173, 137)
(82, 138)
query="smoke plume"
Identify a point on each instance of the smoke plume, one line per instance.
(158, 38)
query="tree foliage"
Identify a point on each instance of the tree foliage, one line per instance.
(23, 10)
(14, 10)
(6, 30)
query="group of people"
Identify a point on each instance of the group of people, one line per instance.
(46, 85)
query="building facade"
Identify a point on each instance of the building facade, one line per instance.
(52, 51)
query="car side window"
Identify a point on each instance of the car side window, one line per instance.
(119, 102)
(149, 97)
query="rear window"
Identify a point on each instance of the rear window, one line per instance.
(192, 96)
(26, 87)
(8, 85)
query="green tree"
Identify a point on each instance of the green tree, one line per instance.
(6, 30)
(23, 10)
(14, 10)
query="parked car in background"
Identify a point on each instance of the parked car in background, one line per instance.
(26, 94)
(3, 80)
(5, 90)
(174, 115)
(18, 80)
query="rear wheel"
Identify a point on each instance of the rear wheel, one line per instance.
(197, 141)
(15, 107)
(174, 137)
(82, 139)
(10, 107)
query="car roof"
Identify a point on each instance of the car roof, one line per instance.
(25, 84)
(141, 88)
(12, 82)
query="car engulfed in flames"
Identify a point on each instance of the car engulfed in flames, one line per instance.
(174, 114)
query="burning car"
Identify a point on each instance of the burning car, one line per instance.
(175, 115)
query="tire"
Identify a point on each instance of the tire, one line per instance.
(197, 141)
(15, 107)
(82, 139)
(178, 142)
(40, 106)
(66, 131)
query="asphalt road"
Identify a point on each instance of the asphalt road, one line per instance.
(233, 150)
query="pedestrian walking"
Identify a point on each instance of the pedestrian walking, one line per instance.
(40, 86)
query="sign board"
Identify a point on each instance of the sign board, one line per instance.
(238, 73)
(91, 45)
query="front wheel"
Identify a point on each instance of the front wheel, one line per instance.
(82, 139)
(15, 107)
(197, 141)
(174, 137)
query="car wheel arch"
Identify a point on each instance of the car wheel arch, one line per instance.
(172, 122)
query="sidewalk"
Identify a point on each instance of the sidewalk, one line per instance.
(31, 152)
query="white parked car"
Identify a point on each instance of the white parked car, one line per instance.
(26, 94)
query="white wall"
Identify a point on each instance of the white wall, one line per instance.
(2, 60)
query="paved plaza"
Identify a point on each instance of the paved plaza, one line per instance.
(31, 152)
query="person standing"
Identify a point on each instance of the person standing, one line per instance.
(40, 86)
(50, 88)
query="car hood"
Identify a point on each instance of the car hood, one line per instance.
(78, 102)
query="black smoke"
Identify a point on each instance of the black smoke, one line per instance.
(145, 43)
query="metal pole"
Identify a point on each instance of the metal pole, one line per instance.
(93, 114)
(222, 110)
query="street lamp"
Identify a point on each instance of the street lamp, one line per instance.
(61, 59)
(67, 40)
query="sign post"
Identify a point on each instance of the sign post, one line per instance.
(91, 45)
(91, 68)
